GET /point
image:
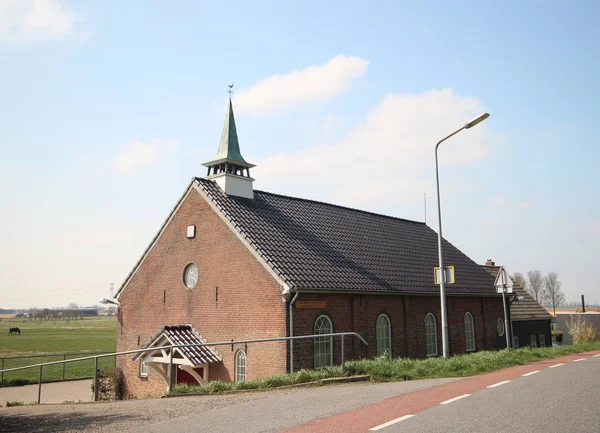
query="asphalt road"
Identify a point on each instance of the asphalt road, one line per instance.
(284, 410)
(559, 395)
(559, 399)
(551, 395)
(269, 411)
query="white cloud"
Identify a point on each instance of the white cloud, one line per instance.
(315, 83)
(138, 155)
(27, 20)
(389, 156)
(501, 203)
(498, 202)
(328, 123)
(523, 204)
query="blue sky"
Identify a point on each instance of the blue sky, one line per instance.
(109, 108)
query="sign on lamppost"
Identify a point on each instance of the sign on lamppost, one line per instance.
(504, 285)
(448, 274)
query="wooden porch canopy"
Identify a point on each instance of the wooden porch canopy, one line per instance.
(188, 359)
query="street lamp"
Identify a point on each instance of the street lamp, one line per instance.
(108, 301)
(445, 345)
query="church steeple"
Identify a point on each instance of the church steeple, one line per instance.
(229, 146)
(229, 168)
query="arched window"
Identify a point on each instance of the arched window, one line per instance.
(431, 346)
(323, 345)
(383, 335)
(240, 366)
(469, 332)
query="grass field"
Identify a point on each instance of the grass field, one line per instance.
(50, 341)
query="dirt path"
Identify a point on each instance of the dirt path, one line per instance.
(56, 392)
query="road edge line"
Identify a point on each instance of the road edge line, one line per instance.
(389, 423)
(455, 398)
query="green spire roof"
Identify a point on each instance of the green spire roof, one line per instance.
(229, 146)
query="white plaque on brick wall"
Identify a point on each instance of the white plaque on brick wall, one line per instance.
(191, 232)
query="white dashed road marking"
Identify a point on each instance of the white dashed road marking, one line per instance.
(557, 365)
(394, 421)
(530, 373)
(596, 355)
(498, 384)
(455, 398)
(580, 359)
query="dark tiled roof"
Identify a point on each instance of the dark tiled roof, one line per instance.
(315, 245)
(528, 308)
(185, 334)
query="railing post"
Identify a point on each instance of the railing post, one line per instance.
(343, 353)
(95, 378)
(170, 384)
(40, 385)
(64, 364)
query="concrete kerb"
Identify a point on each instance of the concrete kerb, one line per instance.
(321, 382)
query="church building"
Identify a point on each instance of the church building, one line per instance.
(232, 263)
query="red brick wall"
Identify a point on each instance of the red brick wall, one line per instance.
(359, 313)
(248, 303)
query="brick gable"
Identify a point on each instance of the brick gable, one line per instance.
(235, 298)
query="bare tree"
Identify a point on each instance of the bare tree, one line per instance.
(553, 290)
(535, 286)
(520, 280)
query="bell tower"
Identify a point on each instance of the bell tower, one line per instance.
(228, 168)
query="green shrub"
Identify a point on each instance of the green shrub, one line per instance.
(19, 382)
(580, 331)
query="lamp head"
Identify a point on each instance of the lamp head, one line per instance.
(108, 301)
(285, 295)
(477, 120)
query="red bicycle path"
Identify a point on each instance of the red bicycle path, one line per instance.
(362, 419)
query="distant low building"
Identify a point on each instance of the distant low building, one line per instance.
(529, 321)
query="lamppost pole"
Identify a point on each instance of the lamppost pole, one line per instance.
(445, 343)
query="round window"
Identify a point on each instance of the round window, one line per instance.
(500, 327)
(190, 275)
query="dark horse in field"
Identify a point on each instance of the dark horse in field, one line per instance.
(14, 331)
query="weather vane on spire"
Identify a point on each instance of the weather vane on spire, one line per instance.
(230, 91)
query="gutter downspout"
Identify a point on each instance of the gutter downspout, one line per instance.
(291, 314)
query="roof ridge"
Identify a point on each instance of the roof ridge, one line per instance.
(330, 204)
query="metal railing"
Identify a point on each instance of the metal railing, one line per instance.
(4, 360)
(171, 376)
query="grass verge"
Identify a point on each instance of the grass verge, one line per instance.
(398, 369)
(385, 369)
